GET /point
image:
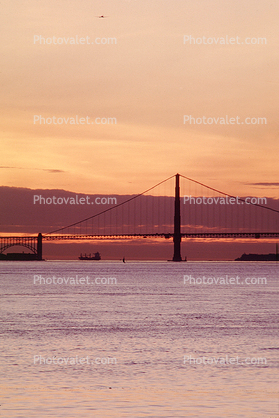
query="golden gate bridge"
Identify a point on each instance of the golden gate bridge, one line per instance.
(163, 216)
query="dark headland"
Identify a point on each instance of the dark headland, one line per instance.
(258, 257)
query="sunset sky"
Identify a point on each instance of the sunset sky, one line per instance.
(147, 81)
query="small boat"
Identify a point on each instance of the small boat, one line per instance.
(96, 256)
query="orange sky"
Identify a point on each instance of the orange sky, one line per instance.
(148, 81)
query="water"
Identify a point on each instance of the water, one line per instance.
(142, 343)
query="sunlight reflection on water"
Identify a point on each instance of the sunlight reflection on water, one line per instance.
(148, 321)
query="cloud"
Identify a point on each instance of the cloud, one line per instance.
(50, 170)
(268, 184)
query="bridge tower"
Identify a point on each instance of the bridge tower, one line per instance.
(177, 221)
(40, 247)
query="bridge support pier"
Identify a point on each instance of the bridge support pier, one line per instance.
(177, 222)
(39, 247)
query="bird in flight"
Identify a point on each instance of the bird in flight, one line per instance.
(101, 17)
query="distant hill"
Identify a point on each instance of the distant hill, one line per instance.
(258, 257)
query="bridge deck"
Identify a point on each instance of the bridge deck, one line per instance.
(164, 235)
(33, 238)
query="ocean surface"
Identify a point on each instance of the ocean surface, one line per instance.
(139, 339)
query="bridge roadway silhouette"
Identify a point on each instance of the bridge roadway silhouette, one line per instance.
(34, 243)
